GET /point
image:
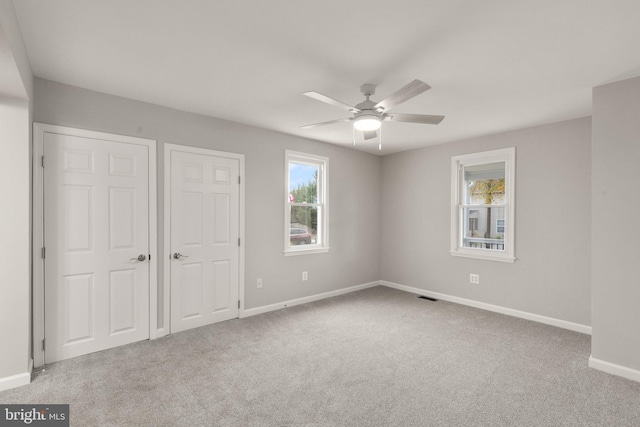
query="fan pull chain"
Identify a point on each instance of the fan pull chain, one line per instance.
(353, 133)
(380, 138)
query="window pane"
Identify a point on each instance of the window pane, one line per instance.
(484, 227)
(303, 183)
(484, 184)
(482, 210)
(304, 225)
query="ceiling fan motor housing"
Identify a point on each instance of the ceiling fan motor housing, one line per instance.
(368, 118)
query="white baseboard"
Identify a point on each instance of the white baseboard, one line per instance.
(495, 308)
(304, 300)
(7, 383)
(612, 368)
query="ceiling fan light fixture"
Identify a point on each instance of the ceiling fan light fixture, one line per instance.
(367, 116)
(367, 122)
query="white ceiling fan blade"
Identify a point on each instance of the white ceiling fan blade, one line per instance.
(403, 94)
(370, 134)
(414, 118)
(327, 100)
(346, 119)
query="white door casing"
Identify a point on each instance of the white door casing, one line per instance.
(99, 216)
(204, 219)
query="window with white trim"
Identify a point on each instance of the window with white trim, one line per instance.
(306, 204)
(482, 205)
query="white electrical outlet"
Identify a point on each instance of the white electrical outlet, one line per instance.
(305, 275)
(474, 278)
(259, 282)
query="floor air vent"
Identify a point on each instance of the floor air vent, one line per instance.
(428, 298)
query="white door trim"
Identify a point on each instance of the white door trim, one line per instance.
(39, 130)
(168, 148)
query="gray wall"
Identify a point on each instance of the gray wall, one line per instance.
(551, 276)
(354, 181)
(16, 77)
(14, 238)
(16, 86)
(615, 232)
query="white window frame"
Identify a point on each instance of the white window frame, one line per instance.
(508, 156)
(322, 203)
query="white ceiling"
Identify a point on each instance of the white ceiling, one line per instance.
(493, 65)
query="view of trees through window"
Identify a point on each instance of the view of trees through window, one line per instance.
(486, 222)
(303, 199)
(487, 190)
(484, 210)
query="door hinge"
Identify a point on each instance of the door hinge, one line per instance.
(149, 257)
(238, 303)
(44, 253)
(238, 179)
(238, 241)
(42, 161)
(44, 344)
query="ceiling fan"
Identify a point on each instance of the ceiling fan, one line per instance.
(369, 115)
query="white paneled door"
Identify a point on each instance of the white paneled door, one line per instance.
(96, 233)
(204, 254)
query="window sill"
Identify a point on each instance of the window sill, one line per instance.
(310, 251)
(485, 256)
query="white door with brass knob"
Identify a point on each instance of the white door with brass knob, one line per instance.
(204, 248)
(96, 233)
